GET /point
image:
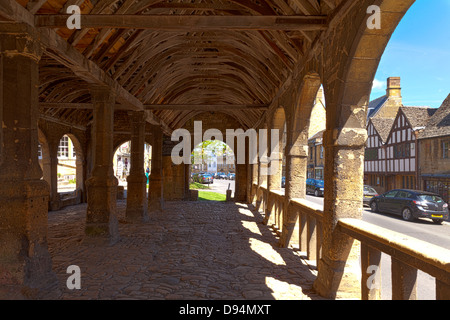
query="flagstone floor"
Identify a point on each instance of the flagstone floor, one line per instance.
(192, 250)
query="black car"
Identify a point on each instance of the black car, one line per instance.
(315, 186)
(412, 204)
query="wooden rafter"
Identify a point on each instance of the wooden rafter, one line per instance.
(185, 23)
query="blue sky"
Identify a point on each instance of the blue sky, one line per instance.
(419, 53)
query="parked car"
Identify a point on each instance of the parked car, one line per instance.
(411, 205)
(369, 193)
(283, 182)
(231, 176)
(315, 186)
(205, 178)
(220, 175)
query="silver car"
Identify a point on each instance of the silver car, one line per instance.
(369, 193)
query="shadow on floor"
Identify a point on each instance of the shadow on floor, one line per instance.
(192, 250)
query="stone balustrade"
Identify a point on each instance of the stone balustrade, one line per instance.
(408, 254)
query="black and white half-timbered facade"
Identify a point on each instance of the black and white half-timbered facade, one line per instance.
(392, 149)
(375, 156)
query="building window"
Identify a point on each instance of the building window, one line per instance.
(321, 152)
(402, 151)
(63, 149)
(446, 149)
(371, 154)
(39, 151)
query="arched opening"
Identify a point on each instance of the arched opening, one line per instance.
(213, 170)
(122, 163)
(277, 178)
(316, 150)
(70, 170)
(407, 86)
(44, 157)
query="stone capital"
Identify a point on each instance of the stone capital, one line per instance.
(345, 137)
(17, 39)
(138, 117)
(102, 94)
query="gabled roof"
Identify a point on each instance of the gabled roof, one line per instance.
(383, 126)
(317, 137)
(439, 124)
(418, 116)
(375, 105)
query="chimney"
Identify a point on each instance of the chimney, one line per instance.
(394, 101)
(394, 90)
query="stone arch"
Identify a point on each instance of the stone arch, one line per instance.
(277, 121)
(350, 64)
(349, 97)
(80, 163)
(79, 194)
(119, 142)
(297, 129)
(298, 107)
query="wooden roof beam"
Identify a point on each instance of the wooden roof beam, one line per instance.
(158, 107)
(188, 22)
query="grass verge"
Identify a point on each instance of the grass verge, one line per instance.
(211, 196)
(197, 185)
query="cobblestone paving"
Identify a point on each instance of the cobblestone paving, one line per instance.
(193, 250)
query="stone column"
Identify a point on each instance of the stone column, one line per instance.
(344, 169)
(53, 159)
(249, 182)
(137, 181)
(296, 151)
(101, 216)
(276, 169)
(187, 180)
(25, 263)
(155, 188)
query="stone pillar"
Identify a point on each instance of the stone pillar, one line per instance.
(187, 180)
(296, 173)
(25, 263)
(241, 182)
(155, 188)
(137, 181)
(249, 183)
(101, 215)
(276, 170)
(53, 159)
(344, 169)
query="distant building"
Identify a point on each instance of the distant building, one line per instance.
(318, 115)
(391, 157)
(434, 152)
(316, 158)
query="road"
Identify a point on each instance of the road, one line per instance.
(422, 229)
(221, 186)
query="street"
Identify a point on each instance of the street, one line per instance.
(221, 186)
(422, 229)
